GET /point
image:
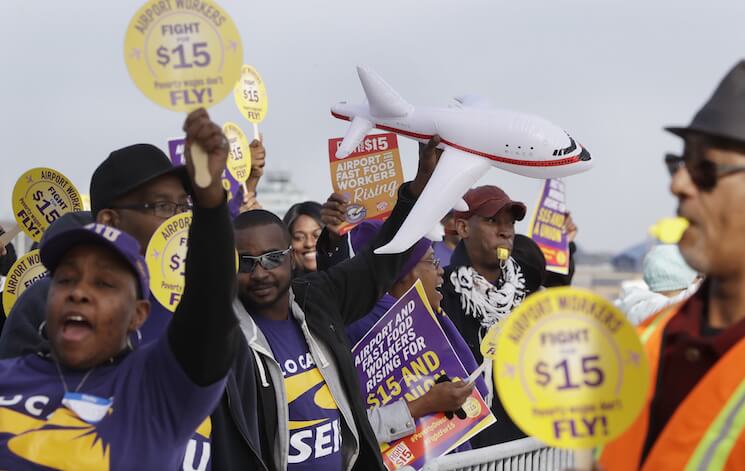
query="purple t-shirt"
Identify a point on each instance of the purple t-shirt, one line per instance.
(314, 419)
(154, 411)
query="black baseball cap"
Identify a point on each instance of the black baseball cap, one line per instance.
(126, 169)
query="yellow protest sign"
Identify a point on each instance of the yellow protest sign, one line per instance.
(166, 260)
(570, 369)
(40, 197)
(239, 157)
(183, 54)
(25, 271)
(250, 95)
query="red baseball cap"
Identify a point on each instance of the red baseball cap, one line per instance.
(488, 200)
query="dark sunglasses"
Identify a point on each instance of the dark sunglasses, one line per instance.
(703, 172)
(268, 261)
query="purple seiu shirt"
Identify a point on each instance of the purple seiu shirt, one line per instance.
(155, 409)
(314, 418)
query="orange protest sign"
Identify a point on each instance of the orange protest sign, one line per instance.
(369, 177)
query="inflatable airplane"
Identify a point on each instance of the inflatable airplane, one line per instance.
(473, 136)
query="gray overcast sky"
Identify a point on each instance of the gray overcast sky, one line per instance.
(611, 72)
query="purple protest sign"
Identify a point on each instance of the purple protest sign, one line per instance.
(176, 150)
(547, 226)
(176, 153)
(400, 358)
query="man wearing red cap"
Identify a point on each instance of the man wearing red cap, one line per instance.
(484, 283)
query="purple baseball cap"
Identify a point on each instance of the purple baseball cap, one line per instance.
(53, 250)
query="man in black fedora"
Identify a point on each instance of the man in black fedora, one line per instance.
(695, 414)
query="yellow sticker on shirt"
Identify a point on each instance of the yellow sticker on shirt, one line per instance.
(250, 95)
(26, 271)
(570, 369)
(239, 157)
(183, 54)
(166, 260)
(40, 197)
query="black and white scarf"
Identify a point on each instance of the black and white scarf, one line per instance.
(484, 301)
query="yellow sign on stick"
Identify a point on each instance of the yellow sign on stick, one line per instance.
(570, 369)
(183, 55)
(40, 197)
(26, 271)
(239, 157)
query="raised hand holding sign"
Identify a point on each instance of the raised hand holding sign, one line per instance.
(184, 56)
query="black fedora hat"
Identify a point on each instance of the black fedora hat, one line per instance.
(723, 116)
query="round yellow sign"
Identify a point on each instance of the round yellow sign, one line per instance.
(570, 369)
(250, 95)
(40, 197)
(25, 272)
(183, 54)
(166, 260)
(239, 157)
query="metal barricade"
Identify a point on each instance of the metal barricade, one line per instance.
(527, 454)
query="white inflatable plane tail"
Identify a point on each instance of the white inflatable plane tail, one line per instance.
(384, 102)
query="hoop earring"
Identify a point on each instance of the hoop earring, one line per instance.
(139, 341)
(41, 330)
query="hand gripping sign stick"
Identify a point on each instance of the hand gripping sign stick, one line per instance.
(40, 197)
(183, 59)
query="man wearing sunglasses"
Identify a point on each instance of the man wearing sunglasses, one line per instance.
(312, 414)
(697, 349)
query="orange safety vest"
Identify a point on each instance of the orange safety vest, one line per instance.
(706, 430)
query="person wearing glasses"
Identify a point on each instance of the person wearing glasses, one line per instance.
(309, 402)
(696, 349)
(95, 398)
(396, 420)
(134, 190)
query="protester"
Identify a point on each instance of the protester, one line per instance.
(20, 334)
(394, 421)
(305, 224)
(481, 289)
(97, 401)
(295, 327)
(134, 190)
(667, 280)
(137, 188)
(696, 349)
(444, 248)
